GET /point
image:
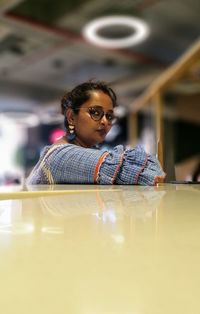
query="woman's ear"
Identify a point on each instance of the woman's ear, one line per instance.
(70, 116)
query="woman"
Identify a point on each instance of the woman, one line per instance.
(88, 116)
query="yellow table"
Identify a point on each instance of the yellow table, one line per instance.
(78, 249)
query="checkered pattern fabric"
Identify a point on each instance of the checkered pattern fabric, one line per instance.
(71, 164)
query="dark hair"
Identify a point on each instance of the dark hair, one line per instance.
(81, 93)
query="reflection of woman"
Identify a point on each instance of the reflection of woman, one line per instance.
(89, 114)
(138, 203)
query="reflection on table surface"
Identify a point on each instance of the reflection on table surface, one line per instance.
(100, 249)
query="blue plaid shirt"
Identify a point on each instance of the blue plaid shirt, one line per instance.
(69, 163)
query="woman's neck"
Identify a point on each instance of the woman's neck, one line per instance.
(79, 143)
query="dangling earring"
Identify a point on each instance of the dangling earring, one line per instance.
(71, 135)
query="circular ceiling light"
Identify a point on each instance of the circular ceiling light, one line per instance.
(139, 31)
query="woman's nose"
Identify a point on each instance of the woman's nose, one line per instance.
(104, 120)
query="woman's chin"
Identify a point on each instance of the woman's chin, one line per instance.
(101, 137)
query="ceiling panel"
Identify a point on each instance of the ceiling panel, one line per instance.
(41, 43)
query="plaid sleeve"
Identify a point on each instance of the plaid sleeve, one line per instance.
(132, 166)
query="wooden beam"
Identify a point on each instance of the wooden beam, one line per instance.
(157, 101)
(172, 74)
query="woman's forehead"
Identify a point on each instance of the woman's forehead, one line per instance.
(100, 98)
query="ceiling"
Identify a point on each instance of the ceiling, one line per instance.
(43, 52)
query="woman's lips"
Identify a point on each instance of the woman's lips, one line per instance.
(102, 132)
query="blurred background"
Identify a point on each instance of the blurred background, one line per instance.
(45, 51)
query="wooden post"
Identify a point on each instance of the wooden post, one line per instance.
(159, 126)
(132, 129)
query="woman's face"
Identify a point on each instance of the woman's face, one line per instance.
(88, 131)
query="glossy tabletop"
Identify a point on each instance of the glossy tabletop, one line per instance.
(80, 249)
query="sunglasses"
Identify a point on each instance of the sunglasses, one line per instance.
(97, 113)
